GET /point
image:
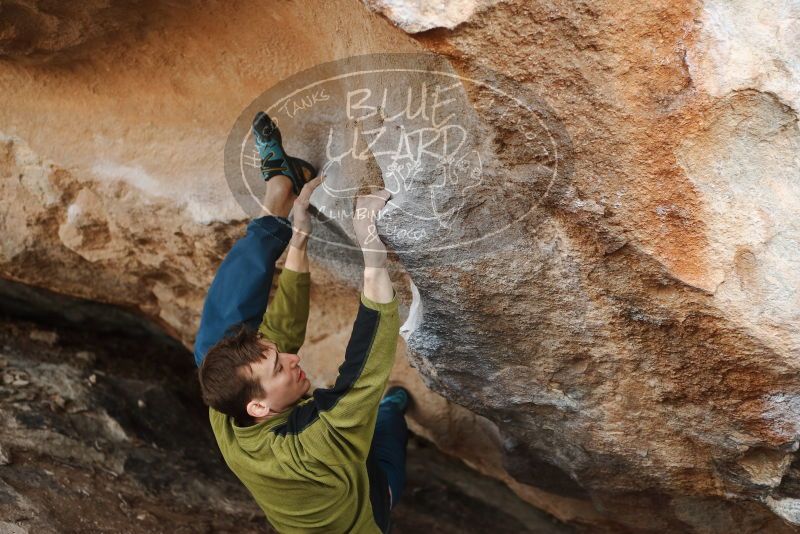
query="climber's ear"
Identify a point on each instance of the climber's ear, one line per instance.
(257, 408)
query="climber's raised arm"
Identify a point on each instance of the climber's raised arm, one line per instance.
(285, 321)
(297, 257)
(377, 285)
(347, 411)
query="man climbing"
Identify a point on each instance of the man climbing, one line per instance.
(334, 462)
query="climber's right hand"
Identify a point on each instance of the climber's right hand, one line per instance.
(364, 224)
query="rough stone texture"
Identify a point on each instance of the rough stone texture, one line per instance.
(99, 442)
(632, 347)
(39, 30)
(748, 45)
(415, 17)
(110, 435)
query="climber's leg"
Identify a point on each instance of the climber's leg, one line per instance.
(389, 443)
(239, 291)
(279, 197)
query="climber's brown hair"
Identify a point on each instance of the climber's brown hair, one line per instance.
(225, 383)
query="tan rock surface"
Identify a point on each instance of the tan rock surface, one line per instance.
(649, 322)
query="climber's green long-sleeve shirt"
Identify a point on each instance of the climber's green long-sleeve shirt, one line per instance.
(309, 469)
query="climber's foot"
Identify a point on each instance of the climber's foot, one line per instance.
(398, 396)
(274, 160)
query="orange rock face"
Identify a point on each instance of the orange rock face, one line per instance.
(626, 357)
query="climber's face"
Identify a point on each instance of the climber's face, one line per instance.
(283, 380)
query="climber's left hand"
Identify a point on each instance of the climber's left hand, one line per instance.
(301, 218)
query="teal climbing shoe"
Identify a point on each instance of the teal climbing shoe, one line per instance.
(274, 159)
(398, 396)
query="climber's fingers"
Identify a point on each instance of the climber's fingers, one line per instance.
(383, 194)
(304, 197)
(368, 204)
